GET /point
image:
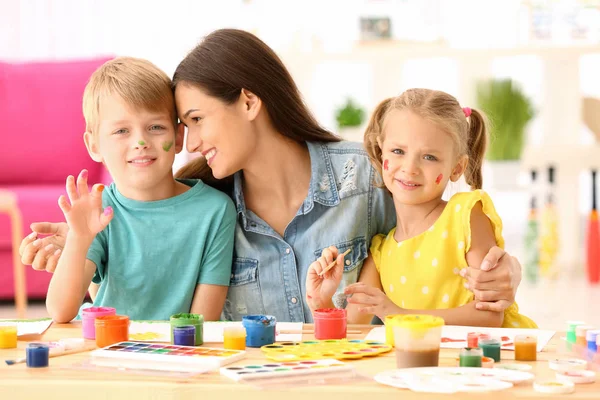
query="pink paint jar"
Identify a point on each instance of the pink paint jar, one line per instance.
(88, 318)
(330, 323)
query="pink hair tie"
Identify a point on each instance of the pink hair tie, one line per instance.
(467, 112)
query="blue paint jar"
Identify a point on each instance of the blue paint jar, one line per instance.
(184, 335)
(37, 355)
(591, 337)
(260, 330)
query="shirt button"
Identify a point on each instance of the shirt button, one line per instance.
(294, 300)
(287, 251)
(347, 262)
(232, 276)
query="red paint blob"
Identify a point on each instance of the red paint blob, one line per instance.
(439, 179)
(386, 165)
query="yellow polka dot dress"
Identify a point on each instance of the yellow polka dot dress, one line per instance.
(423, 272)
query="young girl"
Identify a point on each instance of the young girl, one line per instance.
(419, 142)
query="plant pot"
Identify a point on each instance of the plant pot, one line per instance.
(501, 175)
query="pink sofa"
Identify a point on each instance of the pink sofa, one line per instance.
(42, 129)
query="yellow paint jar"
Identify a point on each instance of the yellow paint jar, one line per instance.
(8, 336)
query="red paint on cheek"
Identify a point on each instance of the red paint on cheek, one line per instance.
(439, 179)
(386, 165)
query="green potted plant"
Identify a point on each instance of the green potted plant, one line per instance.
(509, 111)
(350, 118)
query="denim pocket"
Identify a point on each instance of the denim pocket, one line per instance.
(244, 295)
(355, 258)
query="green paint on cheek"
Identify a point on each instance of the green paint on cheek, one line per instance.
(167, 146)
(142, 143)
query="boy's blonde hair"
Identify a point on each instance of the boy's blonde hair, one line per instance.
(138, 82)
(470, 136)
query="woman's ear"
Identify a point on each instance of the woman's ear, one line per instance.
(251, 104)
(92, 146)
(460, 168)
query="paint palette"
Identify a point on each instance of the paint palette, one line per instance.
(285, 369)
(452, 380)
(324, 349)
(164, 357)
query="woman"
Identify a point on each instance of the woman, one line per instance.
(296, 186)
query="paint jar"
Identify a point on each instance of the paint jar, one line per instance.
(234, 338)
(330, 323)
(470, 357)
(598, 344)
(491, 348)
(580, 334)
(184, 335)
(88, 318)
(8, 335)
(473, 339)
(571, 330)
(260, 330)
(417, 340)
(592, 336)
(186, 319)
(111, 329)
(525, 348)
(37, 355)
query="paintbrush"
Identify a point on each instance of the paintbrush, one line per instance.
(333, 263)
(52, 354)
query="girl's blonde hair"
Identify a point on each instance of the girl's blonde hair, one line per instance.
(470, 136)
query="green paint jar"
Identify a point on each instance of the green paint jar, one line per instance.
(470, 357)
(572, 330)
(491, 348)
(185, 319)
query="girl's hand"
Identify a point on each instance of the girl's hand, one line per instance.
(83, 211)
(320, 289)
(371, 300)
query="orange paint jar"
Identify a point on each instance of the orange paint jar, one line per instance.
(525, 348)
(111, 329)
(234, 338)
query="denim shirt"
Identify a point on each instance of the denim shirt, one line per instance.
(343, 208)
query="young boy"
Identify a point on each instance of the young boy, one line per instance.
(159, 246)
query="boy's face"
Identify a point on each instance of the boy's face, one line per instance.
(138, 147)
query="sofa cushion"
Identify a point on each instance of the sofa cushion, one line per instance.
(42, 122)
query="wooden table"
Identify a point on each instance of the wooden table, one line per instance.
(19, 382)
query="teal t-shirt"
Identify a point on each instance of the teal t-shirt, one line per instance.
(152, 254)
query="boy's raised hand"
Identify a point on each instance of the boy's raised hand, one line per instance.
(320, 289)
(83, 211)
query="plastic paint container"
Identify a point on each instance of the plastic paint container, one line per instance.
(260, 330)
(330, 323)
(8, 336)
(571, 330)
(184, 335)
(111, 329)
(591, 337)
(186, 319)
(580, 334)
(487, 362)
(417, 340)
(491, 348)
(234, 338)
(598, 344)
(37, 355)
(470, 357)
(473, 339)
(88, 318)
(525, 348)
(390, 321)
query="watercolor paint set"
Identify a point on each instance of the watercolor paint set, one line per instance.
(324, 349)
(164, 357)
(285, 370)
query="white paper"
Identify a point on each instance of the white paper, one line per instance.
(453, 332)
(158, 331)
(29, 327)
